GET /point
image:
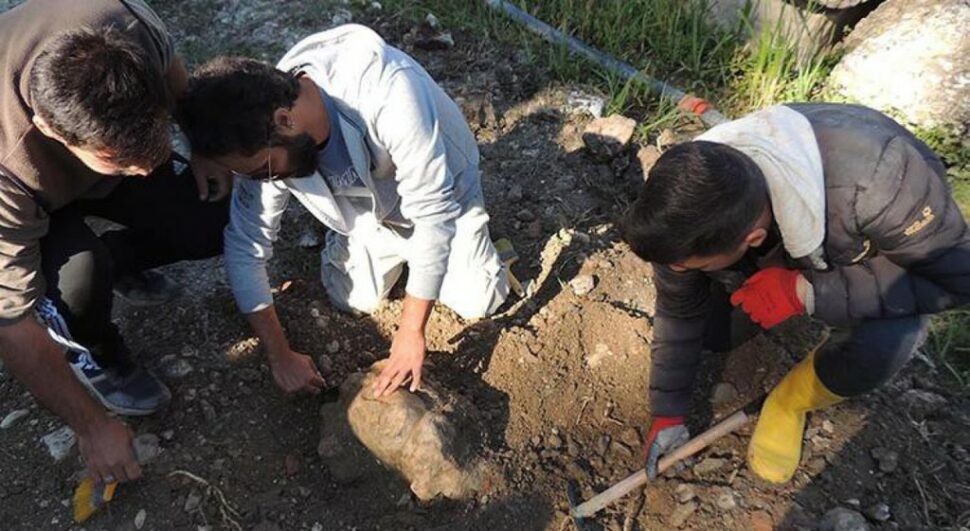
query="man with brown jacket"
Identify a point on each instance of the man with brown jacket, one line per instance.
(86, 93)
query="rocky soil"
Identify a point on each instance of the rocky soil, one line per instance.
(558, 380)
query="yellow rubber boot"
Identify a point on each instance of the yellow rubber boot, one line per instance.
(776, 446)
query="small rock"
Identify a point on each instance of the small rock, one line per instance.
(631, 438)
(572, 447)
(682, 513)
(922, 404)
(888, 459)
(341, 16)
(726, 502)
(828, 427)
(879, 512)
(176, 369)
(140, 519)
(621, 449)
(325, 364)
(333, 347)
(515, 193)
(59, 442)
(724, 392)
(146, 447)
(317, 526)
(600, 353)
(583, 284)
(607, 137)
(554, 442)
(684, 493)
(667, 137)
(536, 441)
(168, 435)
(648, 156)
(12, 418)
(208, 411)
(192, 501)
(309, 240)
(525, 215)
(761, 521)
(602, 445)
(589, 103)
(709, 465)
(373, 6)
(842, 519)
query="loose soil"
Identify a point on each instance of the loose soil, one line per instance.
(559, 379)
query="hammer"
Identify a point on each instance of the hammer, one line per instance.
(581, 511)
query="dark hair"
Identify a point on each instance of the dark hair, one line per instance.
(98, 90)
(229, 105)
(700, 199)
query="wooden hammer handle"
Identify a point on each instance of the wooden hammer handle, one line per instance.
(691, 447)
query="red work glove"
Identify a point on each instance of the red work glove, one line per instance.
(666, 434)
(769, 297)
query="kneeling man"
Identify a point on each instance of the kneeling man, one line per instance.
(362, 136)
(831, 210)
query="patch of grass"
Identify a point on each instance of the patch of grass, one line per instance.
(949, 345)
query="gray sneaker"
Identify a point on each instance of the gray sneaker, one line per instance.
(146, 288)
(127, 390)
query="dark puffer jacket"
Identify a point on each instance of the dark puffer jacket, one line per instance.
(896, 245)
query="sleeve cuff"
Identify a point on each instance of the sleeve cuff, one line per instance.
(424, 286)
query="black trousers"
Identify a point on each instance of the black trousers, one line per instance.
(855, 360)
(163, 222)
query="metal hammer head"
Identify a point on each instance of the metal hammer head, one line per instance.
(575, 499)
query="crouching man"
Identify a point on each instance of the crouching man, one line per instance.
(831, 210)
(362, 136)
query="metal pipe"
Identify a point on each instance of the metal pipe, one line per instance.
(685, 102)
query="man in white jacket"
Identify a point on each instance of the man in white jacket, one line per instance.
(362, 136)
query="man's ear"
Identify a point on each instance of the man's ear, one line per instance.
(45, 128)
(283, 120)
(756, 237)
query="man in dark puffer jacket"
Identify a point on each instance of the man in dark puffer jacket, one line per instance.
(832, 210)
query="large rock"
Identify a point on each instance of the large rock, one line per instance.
(431, 438)
(911, 58)
(808, 30)
(608, 137)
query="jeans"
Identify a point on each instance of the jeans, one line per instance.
(163, 222)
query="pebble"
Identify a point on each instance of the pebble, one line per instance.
(724, 392)
(59, 442)
(12, 418)
(525, 215)
(168, 435)
(922, 403)
(146, 447)
(879, 512)
(582, 102)
(600, 353)
(176, 368)
(842, 519)
(140, 519)
(828, 427)
(648, 156)
(554, 442)
(583, 284)
(515, 193)
(333, 347)
(536, 441)
(726, 502)
(619, 448)
(888, 459)
(631, 437)
(684, 493)
(709, 465)
(607, 137)
(341, 16)
(309, 240)
(572, 447)
(192, 501)
(602, 445)
(761, 521)
(682, 513)
(208, 411)
(325, 364)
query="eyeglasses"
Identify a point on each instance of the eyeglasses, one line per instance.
(265, 172)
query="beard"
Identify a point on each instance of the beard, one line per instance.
(301, 151)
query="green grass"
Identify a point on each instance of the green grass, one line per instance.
(949, 345)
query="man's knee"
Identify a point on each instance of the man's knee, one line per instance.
(872, 354)
(478, 299)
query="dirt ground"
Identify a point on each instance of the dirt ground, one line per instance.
(559, 379)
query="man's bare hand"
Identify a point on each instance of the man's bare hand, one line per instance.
(296, 373)
(106, 449)
(212, 179)
(407, 358)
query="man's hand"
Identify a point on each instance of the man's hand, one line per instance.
(106, 448)
(666, 434)
(296, 373)
(407, 358)
(207, 172)
(770, 296)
